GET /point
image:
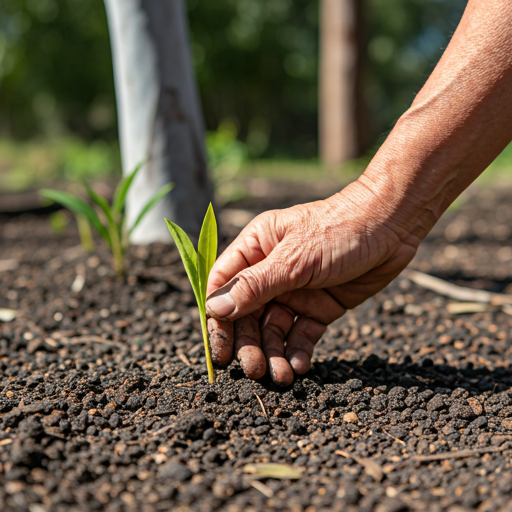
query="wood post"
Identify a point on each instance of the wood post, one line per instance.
(339, 102)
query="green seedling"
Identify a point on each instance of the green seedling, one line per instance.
(111, 224)
(198, 265)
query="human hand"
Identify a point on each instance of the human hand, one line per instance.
(292, 272)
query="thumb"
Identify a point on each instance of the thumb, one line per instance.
(252, 288)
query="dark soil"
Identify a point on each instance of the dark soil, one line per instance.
(105, 404)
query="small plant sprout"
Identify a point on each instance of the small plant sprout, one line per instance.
(110, 223)
(198, 265)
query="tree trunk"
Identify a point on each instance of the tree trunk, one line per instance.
(160, 121)
(340, 103)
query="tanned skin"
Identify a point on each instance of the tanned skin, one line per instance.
(292, 272)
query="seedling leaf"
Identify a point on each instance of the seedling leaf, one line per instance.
(79, 207)
(206, 249)
(161, 193)
(122, 189)
(188, 256)
(102, 203)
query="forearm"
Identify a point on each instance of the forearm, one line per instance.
(457, 125)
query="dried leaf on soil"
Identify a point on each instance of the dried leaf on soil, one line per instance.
(270, 470)
(461, 308)
(371, 467)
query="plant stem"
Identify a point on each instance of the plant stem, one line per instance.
(117, 251)
(209, 363)
(84, 230)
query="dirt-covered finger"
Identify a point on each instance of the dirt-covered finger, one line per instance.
(275, 325)
(301, 341)
(248, 346)
(221, 340)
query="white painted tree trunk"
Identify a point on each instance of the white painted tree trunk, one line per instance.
(159, 114)
(339, 105)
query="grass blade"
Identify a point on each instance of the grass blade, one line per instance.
(188, 256)
(114, 234)
(79, 207)
(207, 249)
(103, 204)
(162, 192)
(122, 189)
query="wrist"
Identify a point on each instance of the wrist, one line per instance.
(418, 172)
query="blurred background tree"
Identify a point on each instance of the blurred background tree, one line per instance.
(55, 69)
(256, 63)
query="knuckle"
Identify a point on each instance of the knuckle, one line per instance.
(247, 326)
(250, 284)
(275, 329)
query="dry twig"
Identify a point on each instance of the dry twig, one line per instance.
(183, 357)
(261, 404)
(77, 340)
(393, 437)
(454, 291)
(460, 454)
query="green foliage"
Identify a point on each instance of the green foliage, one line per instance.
(40, 162)
(227, 156)
(110, 223)
(198, 265)
(256, 62)
(59, 220)
(56, 69)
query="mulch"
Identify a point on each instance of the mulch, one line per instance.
(105, 402)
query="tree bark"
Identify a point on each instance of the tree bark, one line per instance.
(340, 103)
(160, 120)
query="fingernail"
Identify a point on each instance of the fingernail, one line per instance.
(221, 306)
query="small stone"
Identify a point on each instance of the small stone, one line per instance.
(192, 424)
(175, 471)
(350, 417)
(448, 429)
(436, 403)
(261, 430)
(461, 409)
(114, 420)
(295, 426)
(214, 455)
(14, 487)
(134, 402)
(210, 434)
(354, 384)
(476, 406)
(507, 423)
(245, 394)
(397, 392)
(480, 422)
